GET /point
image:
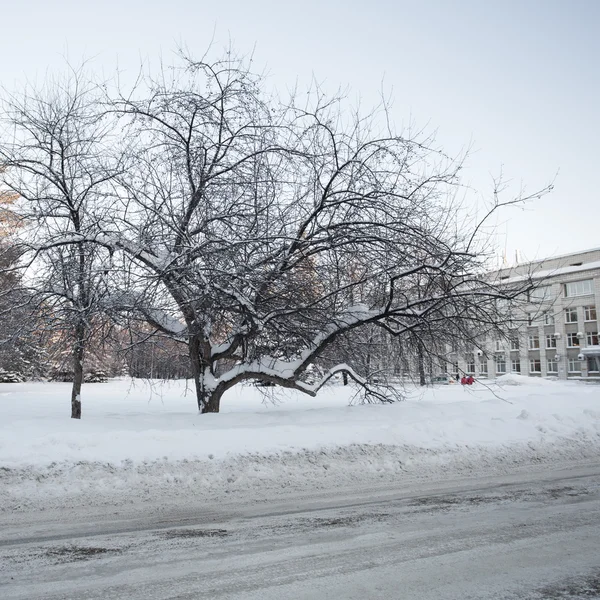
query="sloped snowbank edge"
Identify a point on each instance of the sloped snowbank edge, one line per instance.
(256, 477)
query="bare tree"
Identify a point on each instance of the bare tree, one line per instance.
(261, 234)
(56, 152)
(241, 209)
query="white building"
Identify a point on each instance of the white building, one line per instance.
(557, 332)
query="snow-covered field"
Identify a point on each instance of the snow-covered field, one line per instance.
(142, 442)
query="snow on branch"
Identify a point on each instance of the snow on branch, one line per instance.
(165, 323)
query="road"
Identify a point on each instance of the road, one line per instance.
(525, 536)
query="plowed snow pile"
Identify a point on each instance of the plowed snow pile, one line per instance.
(141, 441)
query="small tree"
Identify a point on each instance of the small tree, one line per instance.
(56, 154)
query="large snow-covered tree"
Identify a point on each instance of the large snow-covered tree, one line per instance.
(261, 234)
(267, 230)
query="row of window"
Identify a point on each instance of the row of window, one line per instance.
(573, 340)
(535, 365)
(533, 341)
(547, 318)
(483, 367)
(571, 290)
(591, 338)
(589, 314)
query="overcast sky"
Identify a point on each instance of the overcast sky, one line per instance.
(518, 81)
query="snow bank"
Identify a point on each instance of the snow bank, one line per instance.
(146, 442)
(516, 379)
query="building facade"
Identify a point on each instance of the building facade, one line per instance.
(556, 333)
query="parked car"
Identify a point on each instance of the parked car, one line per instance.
(443, 380)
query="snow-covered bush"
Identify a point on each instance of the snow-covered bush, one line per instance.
(10, 377)
(96, 377)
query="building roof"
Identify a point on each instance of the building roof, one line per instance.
(564, 264)
(559, 256)
(546, 273)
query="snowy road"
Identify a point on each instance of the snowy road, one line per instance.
(528, 536)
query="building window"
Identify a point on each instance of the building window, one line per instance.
(570, 315)
(539, 293)
(590, 313)
(500, 364)
(548, 318)
(515, 365)
(591, 337)
(514, 344)
(535, 365)
(593, 365)
(498, 345)
(574, 366)
(579, 288)
(535, 319)
(470, 365)
(572, 340)
(552, 365)
(483, 367)
(534, 342)
(550, 340)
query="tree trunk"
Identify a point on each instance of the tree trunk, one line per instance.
(212, 402)
(77, 371)
(209, 399)
(345, 377)
(194, 349)
(421, 363)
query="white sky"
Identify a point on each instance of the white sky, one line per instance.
(519, 80)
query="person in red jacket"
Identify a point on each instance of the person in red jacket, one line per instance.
(463, 380)
(470, 380)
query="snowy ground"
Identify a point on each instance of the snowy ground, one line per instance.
(145, 443)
